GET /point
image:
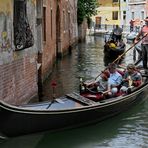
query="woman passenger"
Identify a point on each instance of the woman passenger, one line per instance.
(131, 78)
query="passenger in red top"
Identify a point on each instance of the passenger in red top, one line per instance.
(101, 83)
(132, 25)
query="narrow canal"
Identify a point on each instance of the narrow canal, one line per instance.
(127, 130)
(86, 61)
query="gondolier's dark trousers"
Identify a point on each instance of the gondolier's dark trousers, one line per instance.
(131, 28)
(145, 55)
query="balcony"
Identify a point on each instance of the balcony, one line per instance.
(131, 2)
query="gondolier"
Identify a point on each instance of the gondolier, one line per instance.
(144, 44)
(117, 33)
(131, 25)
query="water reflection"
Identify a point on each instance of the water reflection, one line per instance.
(128, 130)
(86, 61)
(108, 60)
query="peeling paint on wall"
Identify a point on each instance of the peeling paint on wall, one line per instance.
(33, 2)
(6, 7)
(5, 43)
(5, 33)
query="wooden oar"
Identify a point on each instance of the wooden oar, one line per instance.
(120, 56)
(138, 61)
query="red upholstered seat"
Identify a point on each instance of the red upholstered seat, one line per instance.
(121, 72)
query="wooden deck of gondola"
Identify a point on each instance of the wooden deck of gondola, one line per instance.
(80, 98)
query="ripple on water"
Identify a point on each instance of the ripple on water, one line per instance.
(131, 131)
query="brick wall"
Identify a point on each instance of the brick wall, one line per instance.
(18, 83)
(69, 30)
(61, 32)
(48, 54)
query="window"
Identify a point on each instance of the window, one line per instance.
(115, 15)
(51, 22)
(142, 15)
(124, 15)
(22, 39)
(133, 17)
(44, 23)
(114, 1)
(64, 20)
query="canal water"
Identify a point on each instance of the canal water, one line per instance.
(85, 61)
(127, 130)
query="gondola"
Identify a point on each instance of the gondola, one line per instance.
(107, 60)
(113, 48)
(71, 110)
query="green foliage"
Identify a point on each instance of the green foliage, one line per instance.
(86, 8)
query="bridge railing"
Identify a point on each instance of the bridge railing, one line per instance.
(105, 27)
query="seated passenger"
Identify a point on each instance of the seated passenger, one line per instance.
(101, 83)
(120, 44)
(131, 78)
(114, 80)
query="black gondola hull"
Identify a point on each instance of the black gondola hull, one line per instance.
(114, 52)
(16, 121)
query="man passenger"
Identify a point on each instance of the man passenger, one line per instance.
(114, 80)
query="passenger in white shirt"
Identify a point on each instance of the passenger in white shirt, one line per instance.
(114, 80)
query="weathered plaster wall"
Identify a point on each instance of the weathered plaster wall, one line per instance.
(49, 46)
(61, 32)
(69, 30)
(5, 31)
(18, 78)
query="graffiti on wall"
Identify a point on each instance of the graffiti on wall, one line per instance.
(5, 30)
(5, 44)
(23, 37)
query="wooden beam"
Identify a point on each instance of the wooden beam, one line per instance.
(81, 99)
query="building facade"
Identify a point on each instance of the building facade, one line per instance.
(33, 34)
(108, 13)
(138, 10)
(59, 33)
(18, 79)
(112, 12)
